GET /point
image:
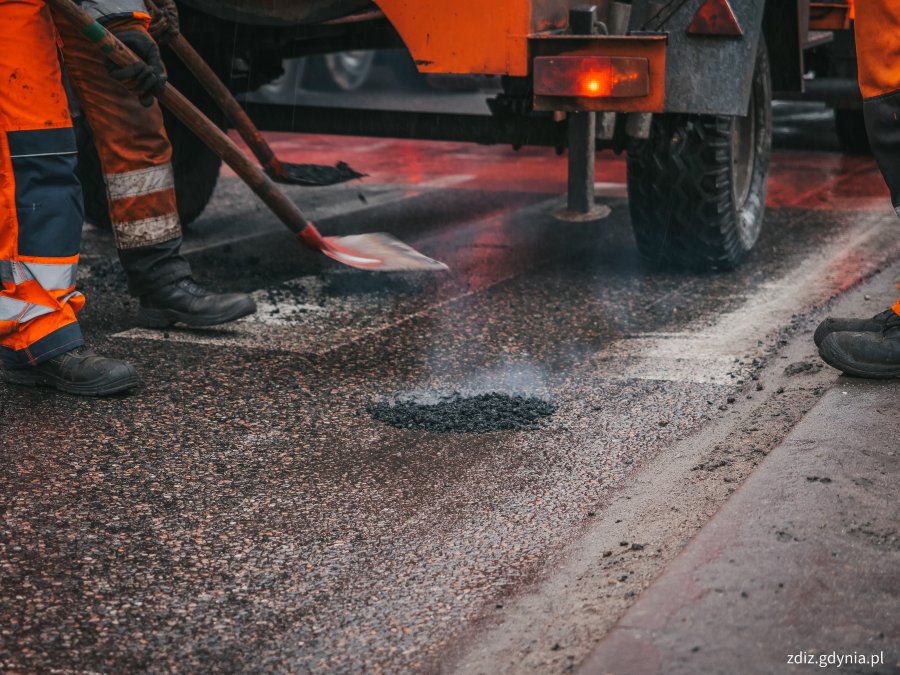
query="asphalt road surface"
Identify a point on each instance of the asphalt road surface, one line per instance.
(245, 511)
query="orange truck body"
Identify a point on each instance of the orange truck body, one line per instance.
(472, 36)
(477, 37)
(693, 66)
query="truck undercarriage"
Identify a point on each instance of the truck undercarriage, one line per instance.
(684, 87)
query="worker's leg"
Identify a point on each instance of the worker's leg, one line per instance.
(40, 232)
(871, 348)
(878, 55)
(40, 214)
(136, 155)
(136, 158)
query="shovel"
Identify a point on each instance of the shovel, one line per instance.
(280, 172)
(378, 252)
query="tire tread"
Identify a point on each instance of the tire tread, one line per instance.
(680, 189)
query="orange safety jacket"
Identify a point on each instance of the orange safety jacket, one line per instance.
(40, 198)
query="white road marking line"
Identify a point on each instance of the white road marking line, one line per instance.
(443, 181)
(347, 205)
(707, 355)
(611, 190)
(702, 355)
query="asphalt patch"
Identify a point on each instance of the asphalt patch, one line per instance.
(456, 413)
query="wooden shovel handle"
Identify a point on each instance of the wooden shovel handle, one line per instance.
(227, 102)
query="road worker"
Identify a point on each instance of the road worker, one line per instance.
(871, 347)
(41, 217)
(135, 155)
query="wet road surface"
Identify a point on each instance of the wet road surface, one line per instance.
(244, 511)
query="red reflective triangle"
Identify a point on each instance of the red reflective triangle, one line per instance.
(715, 17)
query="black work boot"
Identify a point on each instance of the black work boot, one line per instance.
(874, 355)
(189, 303)
(81, 371)
(877, 324)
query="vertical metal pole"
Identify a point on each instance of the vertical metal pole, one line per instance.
(582, 130)
(582, 154)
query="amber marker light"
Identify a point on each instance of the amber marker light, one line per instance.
(596, 84)
(591, 76)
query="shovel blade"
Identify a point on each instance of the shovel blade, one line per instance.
(313, 174)
(379, 252)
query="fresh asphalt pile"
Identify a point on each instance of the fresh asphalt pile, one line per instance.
(315, 174)
(457, 413)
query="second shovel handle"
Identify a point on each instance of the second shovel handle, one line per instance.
(226, 101)
(243, 166)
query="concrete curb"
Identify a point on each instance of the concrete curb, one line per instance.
(804, 559)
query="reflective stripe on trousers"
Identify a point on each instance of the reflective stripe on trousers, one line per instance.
(140, 182)
(50, 278)
(40, 198)
(142, 206)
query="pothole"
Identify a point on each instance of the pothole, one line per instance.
(458, 413)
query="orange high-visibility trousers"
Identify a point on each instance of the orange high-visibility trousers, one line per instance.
(136, 158)
(877, 28)
(40, 198)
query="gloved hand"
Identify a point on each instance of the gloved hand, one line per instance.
(164, 27)
(148, 78)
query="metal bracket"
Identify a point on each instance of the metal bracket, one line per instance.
(580, 202)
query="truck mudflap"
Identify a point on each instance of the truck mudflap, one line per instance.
(709, 73)
(830, 15)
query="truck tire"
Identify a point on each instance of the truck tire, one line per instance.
(196, 169)
(697, 186)
(851, 131)
(341, 71)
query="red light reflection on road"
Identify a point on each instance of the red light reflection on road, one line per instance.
(798, 179)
